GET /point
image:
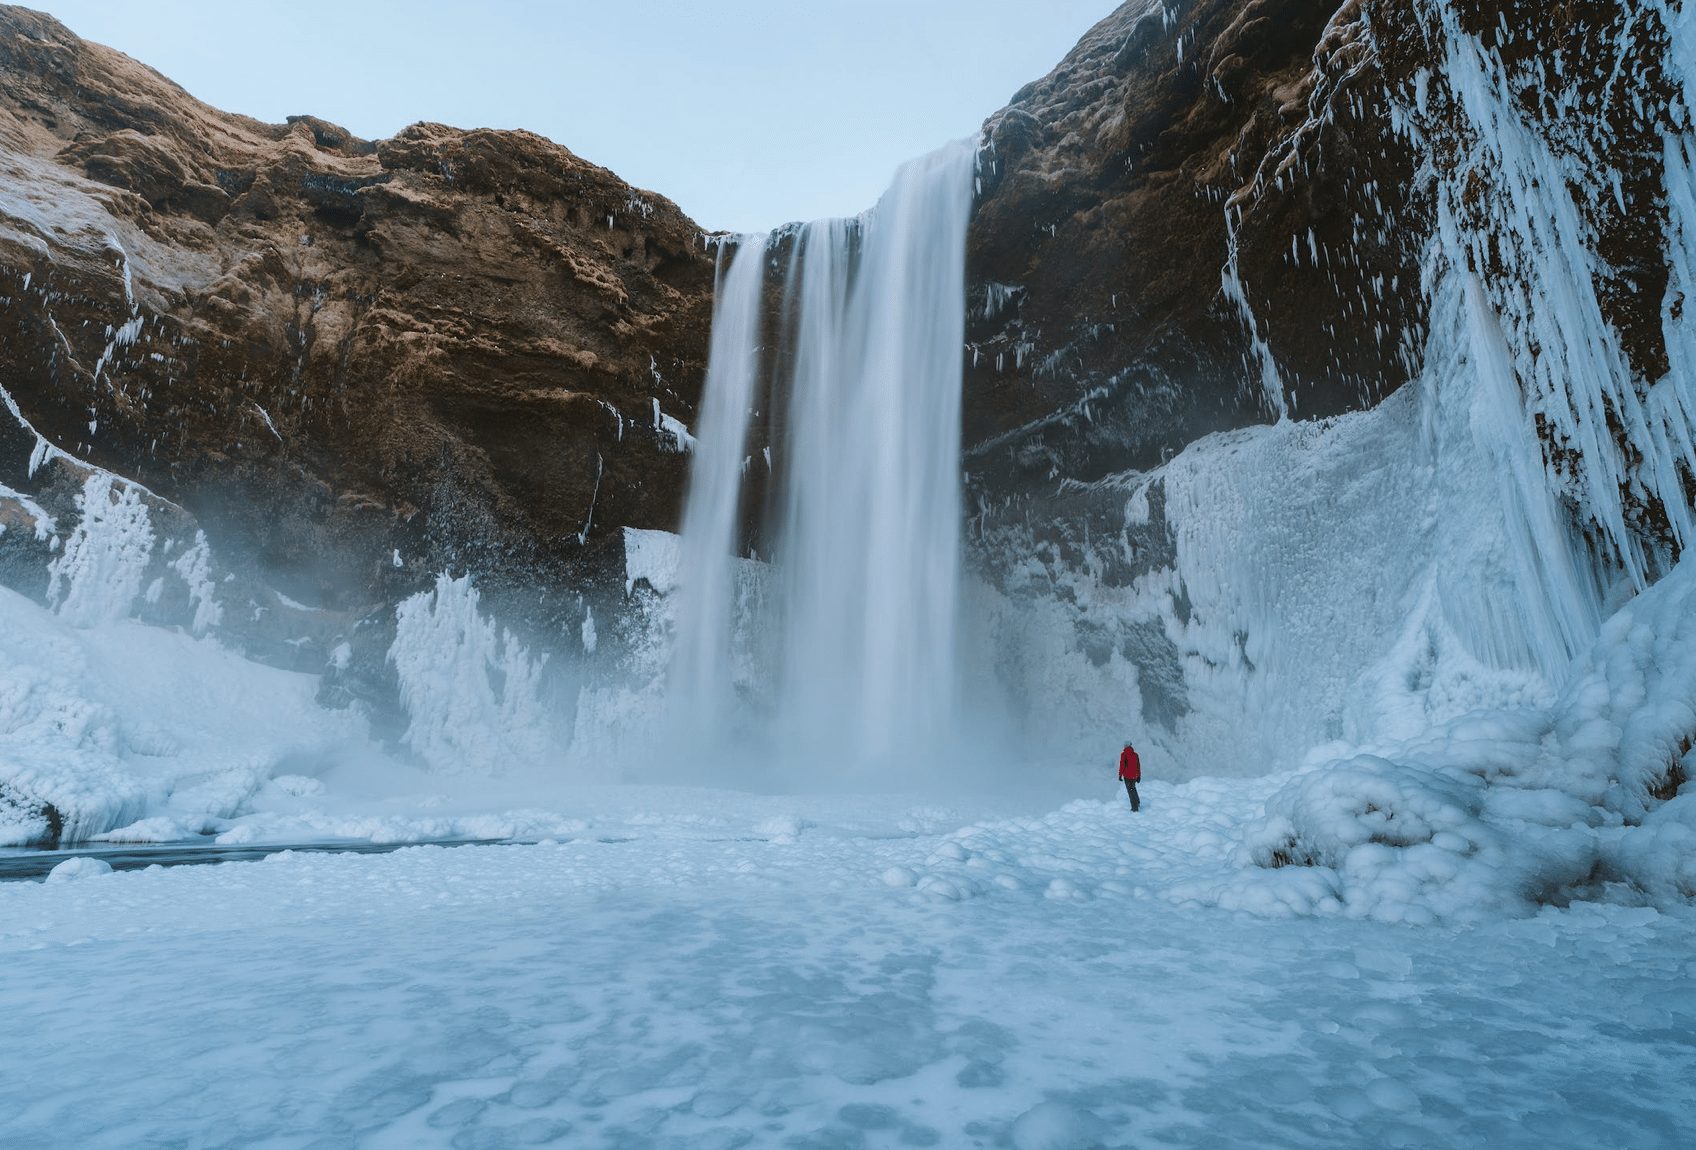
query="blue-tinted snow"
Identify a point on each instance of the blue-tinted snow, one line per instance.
(684, 989)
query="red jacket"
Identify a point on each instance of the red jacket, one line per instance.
(1130, 767)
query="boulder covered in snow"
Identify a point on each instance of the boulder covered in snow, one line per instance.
(74, 869)
(1498, 812)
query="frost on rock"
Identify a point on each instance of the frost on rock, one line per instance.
(195, 567)
(99, 576)
(1519, 185)
(41, 524)
(674, 432)
(470, 689)
(651, 557)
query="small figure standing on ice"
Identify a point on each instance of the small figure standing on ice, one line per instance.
(1130, 770)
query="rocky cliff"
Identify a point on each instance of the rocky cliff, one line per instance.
(356, 363)
(1425, 262)
(1223, 212)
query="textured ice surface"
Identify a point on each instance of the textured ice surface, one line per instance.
(113, 721)
(672, 978)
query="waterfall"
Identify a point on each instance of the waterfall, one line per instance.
(867, 557)
(700, 676)
(870, 551)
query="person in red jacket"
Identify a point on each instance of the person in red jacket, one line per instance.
(1130, 770)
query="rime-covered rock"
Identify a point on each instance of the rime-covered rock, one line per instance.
(1324, 348)
(1219, 212)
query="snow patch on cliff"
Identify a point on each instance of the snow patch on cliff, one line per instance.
(98, 577)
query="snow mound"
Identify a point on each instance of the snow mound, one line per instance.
(59, 748)
(88, 745)
(158, 829)
(78, 868)
(1058, 1126)
(784, 828)
(1502, 811)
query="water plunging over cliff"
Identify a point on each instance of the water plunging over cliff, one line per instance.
(700, 678)
(863, 603)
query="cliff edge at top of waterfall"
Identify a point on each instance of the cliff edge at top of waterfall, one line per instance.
(357, 362)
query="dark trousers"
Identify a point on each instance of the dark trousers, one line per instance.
(1131, 789)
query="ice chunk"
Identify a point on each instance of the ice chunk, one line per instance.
(79, 868)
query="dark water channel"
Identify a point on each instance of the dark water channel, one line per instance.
(25, 865)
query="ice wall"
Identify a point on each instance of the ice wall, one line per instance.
(1513, 209)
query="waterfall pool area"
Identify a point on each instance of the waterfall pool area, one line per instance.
(756, 972)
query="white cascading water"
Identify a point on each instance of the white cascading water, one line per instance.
(700, 676)
(868, 556)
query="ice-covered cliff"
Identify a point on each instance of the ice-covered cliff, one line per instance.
(1329, 366)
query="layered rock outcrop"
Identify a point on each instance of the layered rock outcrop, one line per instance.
(356, 363)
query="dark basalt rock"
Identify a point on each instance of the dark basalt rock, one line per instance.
(1115, 192)
(37, 823)
(1216, 212)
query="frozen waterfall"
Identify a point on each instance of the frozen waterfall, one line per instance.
(862, 617)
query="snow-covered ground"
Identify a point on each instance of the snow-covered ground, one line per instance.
(710, 970)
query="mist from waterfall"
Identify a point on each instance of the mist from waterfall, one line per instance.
(861, 617)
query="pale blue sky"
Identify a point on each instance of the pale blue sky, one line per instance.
(748, 113)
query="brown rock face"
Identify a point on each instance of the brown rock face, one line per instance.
(448, 345)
